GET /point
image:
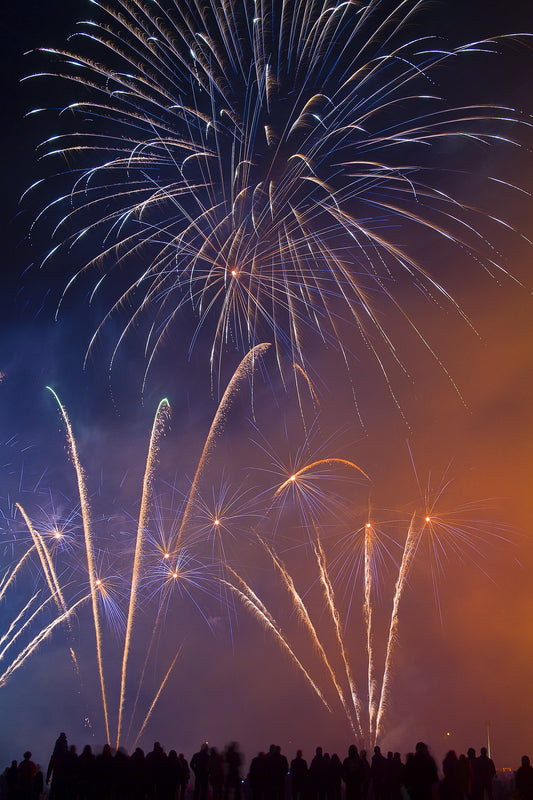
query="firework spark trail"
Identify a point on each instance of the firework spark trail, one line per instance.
(245, 369)
(330, 600)
(143, 673)
(157, 696)
(9, 577)
(89, 551)
(50, 574)
(411, 545)
(51, 578)
(46, 562)
(368, 617)
(298, 370)
(251, 601)
(15, 622)
(292, 480)
(303, 613)
(26, 624)
(162, 413)
(36, 641)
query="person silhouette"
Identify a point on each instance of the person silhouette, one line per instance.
(298, 773)
(200, 767)
(486, 772)
(26, 775)
(524, 780)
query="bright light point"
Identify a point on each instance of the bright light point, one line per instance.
(293, 478)
(57, 535)
(428, 519)
(98, 582)
(174, 575)
(216, 522)
(167, 555)
(368, 525)
(234, 273)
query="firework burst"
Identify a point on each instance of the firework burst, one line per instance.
(268, 165)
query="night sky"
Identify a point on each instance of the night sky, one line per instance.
(463, 660)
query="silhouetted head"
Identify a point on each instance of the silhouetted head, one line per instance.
(299, 754)
(27, 755)
(60, 747)
(483, 751)
(377, 750)
(525, 761)
(471, 752)
(421, 747)
(318, 751)
(352, 751)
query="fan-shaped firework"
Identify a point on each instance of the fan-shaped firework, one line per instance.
(269, 163)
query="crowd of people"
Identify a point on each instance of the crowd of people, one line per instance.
(219, 775)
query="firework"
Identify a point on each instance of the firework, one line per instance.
(177, 550)
(94, 581)
(163, 409)
(354, 565)
(221, 544)
(271, 166)
(17, 644)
